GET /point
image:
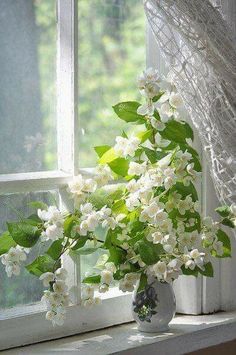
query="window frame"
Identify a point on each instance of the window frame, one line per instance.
(27, 324)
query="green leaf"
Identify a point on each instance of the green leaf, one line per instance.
(117, 194)
(117, 256)
(157, 97)
(24, 234)
(228, 222)
(120, 166)
(80, 242)
(177, 131)
(108, 156)
(209, 272)
(142, 282)
(223, 211)
(68, 225)
(154, 155)
(189, 272)
(55, 249)
(184, 191)
(42, 264)
(149, 252)
(101, 149)
(127, 111)
(144, 135)
(223, 237)
(38, 205)
(33, 219)
(6, 242)
(119, 207)
(100, 198)
(95, 279)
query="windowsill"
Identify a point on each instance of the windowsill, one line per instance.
(186, 334)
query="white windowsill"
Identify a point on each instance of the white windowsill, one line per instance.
(186, 334)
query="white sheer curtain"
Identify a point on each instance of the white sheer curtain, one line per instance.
(197, 39)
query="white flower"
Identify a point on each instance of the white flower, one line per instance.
(132, 201)
(146, 109)
(123, 236)
(87, 292)
(208, 222)
(52, 232)
(161, 142)
(105, 212)
(110, 267)
(79, 185)
(90, 185)
(51, 215)
(126, 286)
(159, 269)
(155, 237)
(86, 208)
(166, 110)
(88, 303)
(183, 206)
(194, 258)
(61, 274)
(60, 287)
(218, 247)
(175, 100)
(233, 209)
(129, 282)
(103, 175)
(106, 277)
(164, 162)
(83, 228)
(103, 288)
(76, 186)
(125, 146)
(160, 126)
(136, 168)
(13, 259)
(47, 277)
(112, 222)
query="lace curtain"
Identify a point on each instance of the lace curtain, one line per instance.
(197, 40)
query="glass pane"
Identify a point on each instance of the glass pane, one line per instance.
(27, 85)
(111, 55)
(25, 288)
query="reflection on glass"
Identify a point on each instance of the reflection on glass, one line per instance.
(27, 85)
(111, 54)
(26, 288)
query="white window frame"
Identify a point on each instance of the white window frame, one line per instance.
(25, 325)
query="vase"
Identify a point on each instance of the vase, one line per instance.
(154, 307)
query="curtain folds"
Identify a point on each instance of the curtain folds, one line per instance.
(199, 47)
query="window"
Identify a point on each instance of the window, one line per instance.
(40, 45)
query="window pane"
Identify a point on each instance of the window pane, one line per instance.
(26, 288)
(111, 54)
(27, 85)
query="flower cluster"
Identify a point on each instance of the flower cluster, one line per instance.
(12, 260)
(88, 297)
(147, 224)
(57, 297)
(53, 223)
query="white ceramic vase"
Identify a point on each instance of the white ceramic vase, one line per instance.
(154, 307)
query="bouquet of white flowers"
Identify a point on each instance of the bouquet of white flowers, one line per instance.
(141, 195)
